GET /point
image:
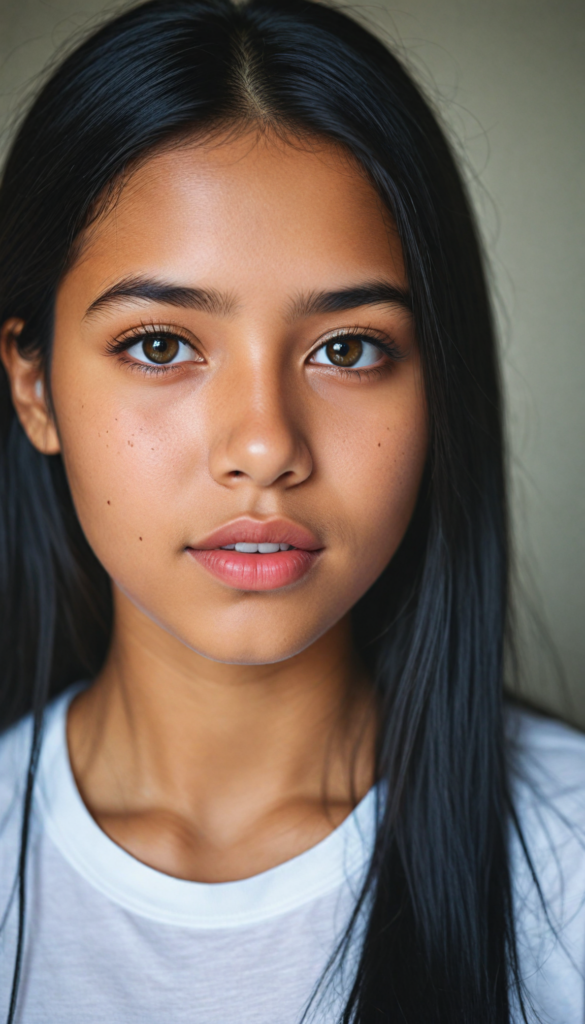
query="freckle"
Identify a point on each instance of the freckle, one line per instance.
(379, 445)
(130, 443)
(109, 502)
(140, 538)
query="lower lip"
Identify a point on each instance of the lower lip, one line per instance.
(256, 572)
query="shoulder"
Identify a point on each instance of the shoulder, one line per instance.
(533, 733)
(547, 769)
(547, 765)
(15, 751)
(14, 755)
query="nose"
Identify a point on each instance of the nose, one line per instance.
(259, 440)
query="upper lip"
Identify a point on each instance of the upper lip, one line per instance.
(254, 531)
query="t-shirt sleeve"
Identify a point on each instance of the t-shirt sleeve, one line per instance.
(548, 773)
(14, 755)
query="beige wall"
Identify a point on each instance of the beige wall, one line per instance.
(508, 76)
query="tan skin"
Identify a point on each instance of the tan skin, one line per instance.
(230, 730)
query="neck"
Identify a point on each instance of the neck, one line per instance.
(165, 735)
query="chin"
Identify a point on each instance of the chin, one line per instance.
(256, 646)
(258, 653)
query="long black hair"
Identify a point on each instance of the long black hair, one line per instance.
(438, 946)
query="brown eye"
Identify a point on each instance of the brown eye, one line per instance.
(351, 352)
(344, 351)
(160, 348)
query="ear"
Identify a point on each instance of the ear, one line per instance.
(28, 390)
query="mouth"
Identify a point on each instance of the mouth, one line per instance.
(252, 555)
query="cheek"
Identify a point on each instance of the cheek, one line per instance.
(132, 468)
(375, 472)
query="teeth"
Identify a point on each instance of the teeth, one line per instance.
(254, 549)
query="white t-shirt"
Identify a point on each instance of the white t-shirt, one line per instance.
(112, 940)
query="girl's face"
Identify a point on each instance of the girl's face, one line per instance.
(235, 363)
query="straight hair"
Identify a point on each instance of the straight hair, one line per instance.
(438, 943)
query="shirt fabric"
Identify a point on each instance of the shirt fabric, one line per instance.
(110, 939)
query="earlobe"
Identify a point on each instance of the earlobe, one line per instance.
(28, 391)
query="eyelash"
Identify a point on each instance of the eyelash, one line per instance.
(118, 346)
(385, 345)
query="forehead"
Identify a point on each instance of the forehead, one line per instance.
(247, 209)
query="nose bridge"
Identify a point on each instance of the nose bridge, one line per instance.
(260, 438)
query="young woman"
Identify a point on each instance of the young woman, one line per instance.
(256, 766)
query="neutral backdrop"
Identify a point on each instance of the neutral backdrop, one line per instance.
(508, 78)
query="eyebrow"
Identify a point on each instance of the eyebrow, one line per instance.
(371, 293)
(206, 300)
(144, 289)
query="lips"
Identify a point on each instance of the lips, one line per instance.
(258, 570)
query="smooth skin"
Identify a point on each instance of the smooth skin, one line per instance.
(230, 730)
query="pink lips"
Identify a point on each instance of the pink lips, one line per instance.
(248, 571)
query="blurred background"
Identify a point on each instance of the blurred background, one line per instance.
(508, 80)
